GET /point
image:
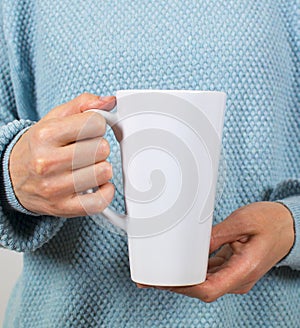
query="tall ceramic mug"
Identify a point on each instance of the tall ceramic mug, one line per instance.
(170, 147)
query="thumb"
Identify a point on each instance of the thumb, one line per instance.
(232, 229)
(81, 104)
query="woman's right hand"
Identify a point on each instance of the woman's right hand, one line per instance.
(62, 156)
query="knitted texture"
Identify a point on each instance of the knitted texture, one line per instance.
(10, 195)
(76, 273)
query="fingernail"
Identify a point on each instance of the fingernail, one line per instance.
(106, 99)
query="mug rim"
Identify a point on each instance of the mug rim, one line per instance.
(183, 91)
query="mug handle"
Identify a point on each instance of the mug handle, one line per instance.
(119, 220)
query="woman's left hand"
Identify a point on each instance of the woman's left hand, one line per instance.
(250, 242)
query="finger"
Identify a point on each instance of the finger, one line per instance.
(142, 285)
(219, 258)
(84, 179)
(190, 291)
(54, 189)
(229, 277)
(71, 157)
(243, 289)
(71, 129)
(82, 103)
(235, 227)
(91, 176)
(81, 180)
(84, 153)
(89, 204)
(214, 265)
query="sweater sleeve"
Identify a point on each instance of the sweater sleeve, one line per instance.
(288, 194)
(18, 231)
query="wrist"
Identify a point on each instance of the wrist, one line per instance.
(288, 226)
(10, 194)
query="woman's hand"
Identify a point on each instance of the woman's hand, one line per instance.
(252, 239)
(62, 156)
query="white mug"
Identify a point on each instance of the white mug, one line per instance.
(170, 148)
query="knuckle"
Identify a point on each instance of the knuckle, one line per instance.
(84, 96)
(44, 133)
(37, 134)
(107, 171)
(40, 165)
(245, 220)
(209, 296)
(208, 299)
(47, 189)
(84, 99)
(104, 147)
(104, 172)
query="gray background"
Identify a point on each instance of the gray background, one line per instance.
(10, 268)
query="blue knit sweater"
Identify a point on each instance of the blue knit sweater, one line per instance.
(76, 273)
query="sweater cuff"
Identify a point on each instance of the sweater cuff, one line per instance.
(9, 191)
(293, 258)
